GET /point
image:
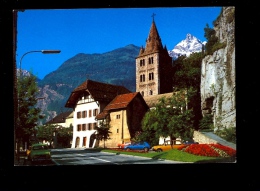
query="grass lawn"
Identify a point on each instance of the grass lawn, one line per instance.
(176, 155)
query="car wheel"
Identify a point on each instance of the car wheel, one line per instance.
(145, 149)
(159, 150)
(127, 149)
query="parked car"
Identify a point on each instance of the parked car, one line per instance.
(122, 145)
(168, 146)
(138, 146)
(38, 152)
(189, 142)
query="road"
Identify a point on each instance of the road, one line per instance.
(92, 157)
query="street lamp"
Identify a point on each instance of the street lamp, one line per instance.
(18, 117)
(42, 51)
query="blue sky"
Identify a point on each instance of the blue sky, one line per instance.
(101, 30)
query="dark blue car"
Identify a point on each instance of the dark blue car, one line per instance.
(138, 146)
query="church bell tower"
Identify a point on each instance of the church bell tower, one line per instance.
(153, 66)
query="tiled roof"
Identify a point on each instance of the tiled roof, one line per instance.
(98, 90)
(61, 118)
(154, 99)
(119, 102)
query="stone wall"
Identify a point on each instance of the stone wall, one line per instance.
(202, 139)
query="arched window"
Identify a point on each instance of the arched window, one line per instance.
(150, 92)
(151, 60)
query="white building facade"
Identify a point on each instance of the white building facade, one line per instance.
(84, 122)
(87, 101)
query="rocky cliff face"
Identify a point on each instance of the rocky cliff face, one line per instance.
(218, 84)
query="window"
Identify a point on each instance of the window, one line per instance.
(142, 78)
(92, 126)
(90, 113)
(142, 93)
(84, 141)
(142, 62)
(117, 130)
(84, 114)
(79, 127)
(150, 92)
(118, 116)
(88, 126)
(78, 114)
(95, 112)
(151, 60)
(151, 76)
(84, 127)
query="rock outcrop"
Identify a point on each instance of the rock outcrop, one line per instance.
(218, 81)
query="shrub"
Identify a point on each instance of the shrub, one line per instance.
(229, 134)
(206, 123)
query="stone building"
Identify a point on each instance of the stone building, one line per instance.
(153, 66)
(124, 115)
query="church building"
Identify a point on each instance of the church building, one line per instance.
(153, 66)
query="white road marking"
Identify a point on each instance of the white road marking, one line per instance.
(101, 160)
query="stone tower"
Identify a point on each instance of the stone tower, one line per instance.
(153, 66)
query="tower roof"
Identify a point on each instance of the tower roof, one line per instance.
(153, 42)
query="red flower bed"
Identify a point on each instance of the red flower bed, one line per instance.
(210, 150)
(229, 151)
(201, 150)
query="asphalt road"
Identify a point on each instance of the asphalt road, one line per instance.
(92, 157)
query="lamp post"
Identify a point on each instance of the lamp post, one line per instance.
(42, 51)
(18, 112)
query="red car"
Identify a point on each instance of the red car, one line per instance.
(122, 145)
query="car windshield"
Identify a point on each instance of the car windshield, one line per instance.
(40, 147)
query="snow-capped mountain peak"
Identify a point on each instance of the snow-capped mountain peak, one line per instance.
(187, 46)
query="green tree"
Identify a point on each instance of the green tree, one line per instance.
(170, 118)
(212, 40)
(45, 132)
(206, 123)
(103, 131)
(187, 75)
(28, 114)
(64, 136)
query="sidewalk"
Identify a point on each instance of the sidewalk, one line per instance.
(219, 140)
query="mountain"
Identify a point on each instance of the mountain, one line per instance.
(114, 67)
(187, 46)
